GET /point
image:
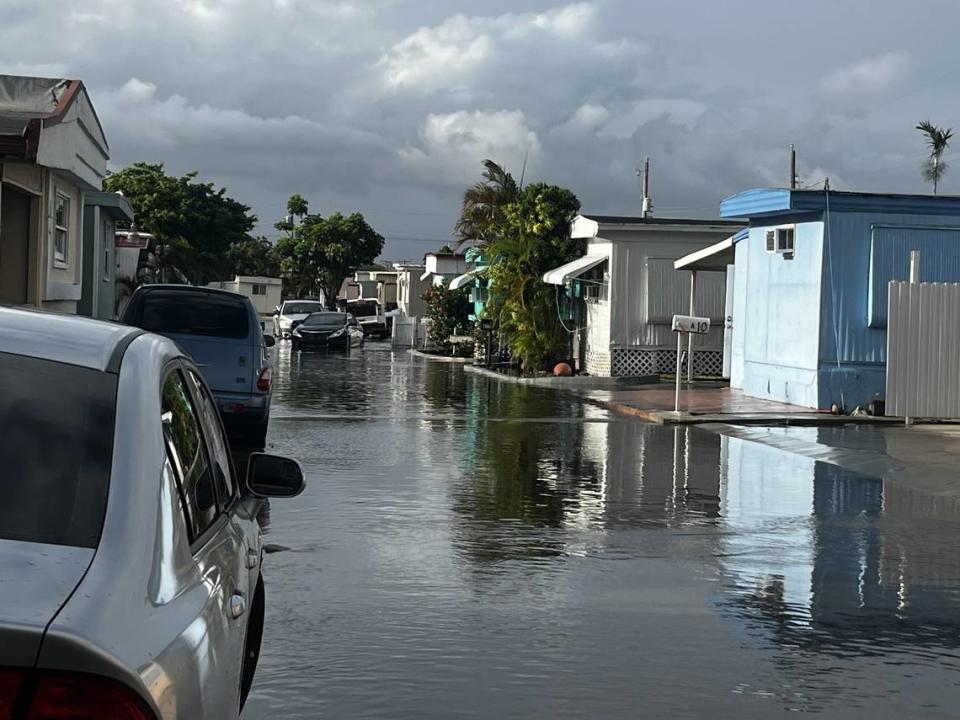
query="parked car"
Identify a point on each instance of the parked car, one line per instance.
(129, 543)
(330, 330)
(221, 332)
(370, 315)
(290, 314)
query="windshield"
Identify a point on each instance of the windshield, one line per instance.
(55, 450)
(301, 308)
(363, 309)
(326, 319)
(195, 313)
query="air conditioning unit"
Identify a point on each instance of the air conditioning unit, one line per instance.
(780, 240)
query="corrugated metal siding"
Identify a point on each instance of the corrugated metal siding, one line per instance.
(628, 286)
(890, 260)
(923, 370)
(668, 293)
(845, 301)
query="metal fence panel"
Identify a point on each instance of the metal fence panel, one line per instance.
(923, 350)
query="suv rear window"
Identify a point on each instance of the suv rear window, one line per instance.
(194, 313)
(55, 450)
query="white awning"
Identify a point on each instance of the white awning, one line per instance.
(716, 257)
(560, 275)
(463, 280)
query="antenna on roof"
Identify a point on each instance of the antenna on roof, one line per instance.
(793, 166)
(646, 205)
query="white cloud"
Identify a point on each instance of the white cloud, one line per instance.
(431, 56)
(435, 57)
(455, 144)
(871, 76)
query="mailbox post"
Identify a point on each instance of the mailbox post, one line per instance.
(686, 325)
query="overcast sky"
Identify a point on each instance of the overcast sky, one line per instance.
(388, 106)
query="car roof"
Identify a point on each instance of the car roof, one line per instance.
(191, 289)
(68, 339)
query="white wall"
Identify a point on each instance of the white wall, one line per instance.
(629, 326)
(63, 280)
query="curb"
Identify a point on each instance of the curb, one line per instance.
(810, 419)
(441, 358)
(579, 382)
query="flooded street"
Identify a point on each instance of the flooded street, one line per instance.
(469, 549)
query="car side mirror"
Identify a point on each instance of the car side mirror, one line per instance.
(276, 312)
(274, 476)
(269, 340)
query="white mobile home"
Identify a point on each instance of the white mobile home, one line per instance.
(630, 292)
(264, 292)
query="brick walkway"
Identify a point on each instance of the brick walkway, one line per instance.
(710, 403)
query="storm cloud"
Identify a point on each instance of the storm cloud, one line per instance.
(388, 106)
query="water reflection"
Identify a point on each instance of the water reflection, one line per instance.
(471, 549)
(843, 564)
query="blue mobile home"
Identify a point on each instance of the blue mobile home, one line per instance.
(810, 287)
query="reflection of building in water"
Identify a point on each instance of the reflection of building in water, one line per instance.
(660, 474)
(827, 553)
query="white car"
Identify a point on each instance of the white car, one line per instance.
(130, 549)
(291, 313)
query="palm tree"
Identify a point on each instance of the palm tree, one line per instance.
(481, 211)
(938, 139)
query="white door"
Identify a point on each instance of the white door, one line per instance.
(728, 323)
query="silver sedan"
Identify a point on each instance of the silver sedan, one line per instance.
(130, 583)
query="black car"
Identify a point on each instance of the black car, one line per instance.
(331, 330)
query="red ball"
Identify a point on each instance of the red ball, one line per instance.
(562, 370)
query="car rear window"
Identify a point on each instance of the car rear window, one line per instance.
(190, 313)
(327, 319)
(55, 450)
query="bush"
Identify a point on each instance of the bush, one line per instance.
(449, 314)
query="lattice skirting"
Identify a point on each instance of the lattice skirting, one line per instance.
(597, 363)
(632, 362)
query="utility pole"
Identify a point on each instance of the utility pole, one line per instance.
(647, 206)
(793, 167)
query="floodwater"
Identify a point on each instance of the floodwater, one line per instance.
(469, 549)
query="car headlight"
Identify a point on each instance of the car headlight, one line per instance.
(296, 333)
(285, 323)
(338, 333)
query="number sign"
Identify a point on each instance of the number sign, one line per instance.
(691, 324)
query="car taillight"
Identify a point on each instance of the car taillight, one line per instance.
(263, 382)
(41, 695)
(10, 681)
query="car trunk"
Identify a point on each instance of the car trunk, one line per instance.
(36, 579)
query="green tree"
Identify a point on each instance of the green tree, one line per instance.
(534, 237)
(194, 222)
(253, 256)
(297, 209)
(938, 140)
(481, 212)
(449, 313)
(320, 253)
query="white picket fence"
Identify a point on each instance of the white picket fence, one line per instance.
(923, 350)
